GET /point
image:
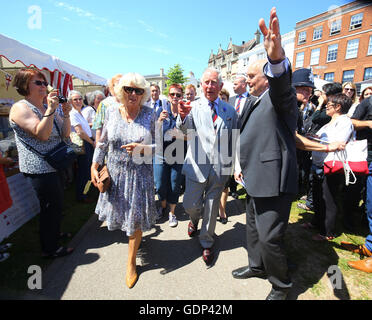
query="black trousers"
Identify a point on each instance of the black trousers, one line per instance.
(328, 193)
(267, 221)
(83, 172)
(49, 190)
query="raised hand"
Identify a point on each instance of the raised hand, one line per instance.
(163, 115)
(52, 100)
(66, 108)
(184, 109)
(272, 38)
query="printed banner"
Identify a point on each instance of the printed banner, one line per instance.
(25, 205)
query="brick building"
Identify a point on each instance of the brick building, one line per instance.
(227, 61)
(337, 44)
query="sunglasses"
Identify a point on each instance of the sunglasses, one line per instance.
(349, 89)
(178, 95)
(138, 91)
(40, 83)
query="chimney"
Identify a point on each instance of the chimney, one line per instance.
(161, 72)
(258, 36)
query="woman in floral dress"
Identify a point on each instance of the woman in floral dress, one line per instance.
(127, 140)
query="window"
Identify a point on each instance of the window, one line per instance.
(348, 76)
(332, 53)
(367, 74)
(329, 76)
(352, 49)
(314, 58)
(335, 27)
(370, 46)
(356, 21)
(302, 37)
(318, 32)
(300, 59)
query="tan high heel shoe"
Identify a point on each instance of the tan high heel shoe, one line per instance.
(131, 281)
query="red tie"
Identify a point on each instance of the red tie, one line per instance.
(214, 114)
(238, 105)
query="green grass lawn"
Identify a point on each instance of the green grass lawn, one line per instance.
(26, 250)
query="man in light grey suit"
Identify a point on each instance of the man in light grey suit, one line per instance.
(268, 163)
(212, 128)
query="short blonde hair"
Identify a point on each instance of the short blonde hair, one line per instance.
(132, 79)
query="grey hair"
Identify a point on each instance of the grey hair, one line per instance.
(92, 96)
(211, 69)
(241, 75)
(72, 93)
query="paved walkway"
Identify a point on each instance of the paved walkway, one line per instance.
(169, 263)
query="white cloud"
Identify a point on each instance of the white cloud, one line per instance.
(160, 50)
(151, 29)
(89, 15)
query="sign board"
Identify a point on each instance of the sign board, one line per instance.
(25, 205)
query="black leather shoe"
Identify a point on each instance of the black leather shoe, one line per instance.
(247, 272)
(223, 220)
(276, 294)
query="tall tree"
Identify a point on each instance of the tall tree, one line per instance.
(174, 75)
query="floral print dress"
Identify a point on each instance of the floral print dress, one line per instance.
(129, 203)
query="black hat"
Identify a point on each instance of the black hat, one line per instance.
(303, 78)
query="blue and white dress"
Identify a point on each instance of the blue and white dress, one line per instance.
(129, 203)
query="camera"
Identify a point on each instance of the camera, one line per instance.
(315, 100)
(62, 99)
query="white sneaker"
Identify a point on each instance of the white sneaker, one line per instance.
(172, 220)
(4, 256)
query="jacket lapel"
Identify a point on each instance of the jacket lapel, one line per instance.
(254, 102)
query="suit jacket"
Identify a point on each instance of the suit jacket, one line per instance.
(161, 103)
(242, 107)
(267, 141)
(211, 146)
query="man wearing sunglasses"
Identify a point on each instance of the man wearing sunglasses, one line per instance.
(212, 129)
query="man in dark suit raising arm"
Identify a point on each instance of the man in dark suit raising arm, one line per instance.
(268, 163)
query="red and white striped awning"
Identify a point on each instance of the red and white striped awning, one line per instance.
(60, 72)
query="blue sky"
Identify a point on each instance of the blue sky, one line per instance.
(119, 36)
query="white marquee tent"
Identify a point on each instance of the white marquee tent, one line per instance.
(61, 72)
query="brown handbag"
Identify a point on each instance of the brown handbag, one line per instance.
(104, 180)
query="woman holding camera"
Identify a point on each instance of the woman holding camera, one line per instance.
(81, 126)
(35, 124)
(169, 158)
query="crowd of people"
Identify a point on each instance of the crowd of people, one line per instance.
(272, 137)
